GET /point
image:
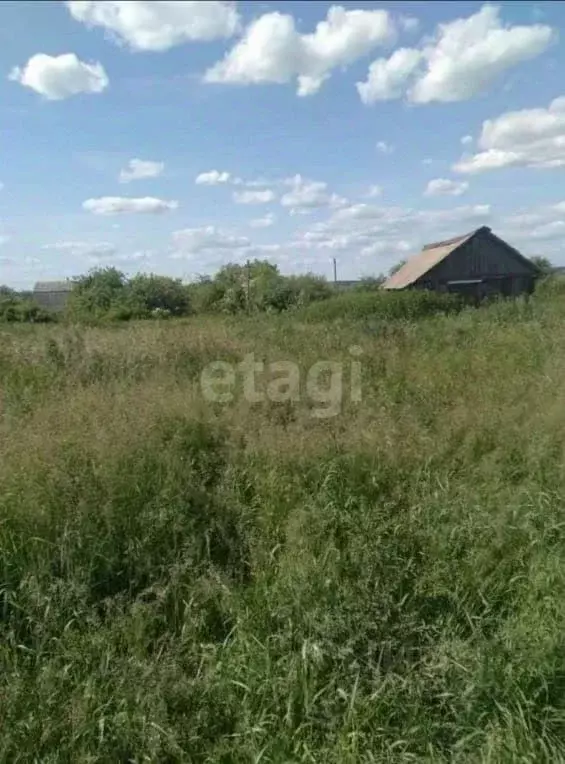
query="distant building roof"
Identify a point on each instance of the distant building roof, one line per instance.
(430, 256)
(53, 286)
(347, 283)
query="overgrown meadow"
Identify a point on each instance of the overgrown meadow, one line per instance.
(183, 580)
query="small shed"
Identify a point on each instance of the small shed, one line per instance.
(52, 295)
(477, 264)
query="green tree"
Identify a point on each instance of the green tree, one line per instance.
(205, 294)
(15, 308)
(371, 283)
(151, 293)
(397, 267)
(309, 288)
(101, 293)
(543, 264)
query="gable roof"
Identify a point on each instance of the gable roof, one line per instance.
(432, 254)
(53, 286)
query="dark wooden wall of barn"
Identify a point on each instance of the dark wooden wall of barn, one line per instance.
(481, 257)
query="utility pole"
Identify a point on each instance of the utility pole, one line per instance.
(335, 270)
(248, 287)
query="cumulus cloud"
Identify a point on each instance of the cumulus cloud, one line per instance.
(255, 182)
(117, 205)
(409, 23)
(309, 195)
(83, 248)
(59, 77)
(207, 239)
(144, 25)
(139, 169)
(387, 77)
(273, 51)
(123, 259)
(374, 191)
(389, 247)
(465, 57)
(265, 222)
(544, 223)
(253, 197)
(384, 147)
(472, 214)
(370, 229)
(212, 178)
(525, 138)
(468, 55)
(445, 187)
(466, 140)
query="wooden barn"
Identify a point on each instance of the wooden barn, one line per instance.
(52, 295)
(478, 264)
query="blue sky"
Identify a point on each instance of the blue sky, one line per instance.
(175, 137)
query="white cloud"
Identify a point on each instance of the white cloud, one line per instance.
(157, 26)
(456, 215)
(4, 239)
(389, 247)
(466, 140)
(272, 50)
(526, 138)
(468, 55)
(384, 147)
(83, 248)
(553, 230)
(139, 169)
(124, 259)
(387, 77)
(59, 77)
(308, 195)
(212, 178)
(375, 229)
(193, 241)
(543, 223)
(261, 250)
(253, 197)
(265, 222)
(465, 57)
(117, 205)
(362, 231)
(255, 183)
(375, 191)
(445, 187)
(409, 23)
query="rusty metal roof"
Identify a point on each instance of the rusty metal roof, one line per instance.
(431, 255)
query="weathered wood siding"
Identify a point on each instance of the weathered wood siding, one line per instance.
(481, 257)
(51, 300)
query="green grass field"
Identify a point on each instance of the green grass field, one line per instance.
(183, 580)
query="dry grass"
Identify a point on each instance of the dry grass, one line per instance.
(190, 581)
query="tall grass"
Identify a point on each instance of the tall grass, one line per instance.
(186, 581)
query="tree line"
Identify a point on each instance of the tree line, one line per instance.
(108, 294)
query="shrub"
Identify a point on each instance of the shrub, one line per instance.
(161, 293)
(15, 309)
(409, 305)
